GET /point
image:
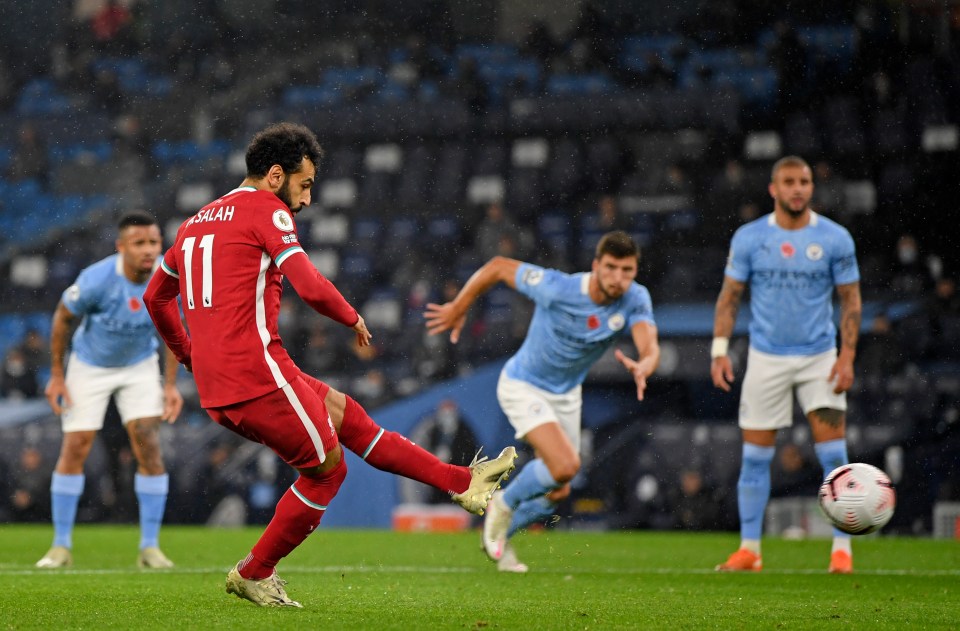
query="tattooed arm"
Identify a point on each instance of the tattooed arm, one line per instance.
(850, 316)
(724, 317)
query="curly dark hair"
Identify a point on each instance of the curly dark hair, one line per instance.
(286, 144)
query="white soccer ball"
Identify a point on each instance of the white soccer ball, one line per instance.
(857, 498)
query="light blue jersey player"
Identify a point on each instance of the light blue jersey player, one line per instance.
(792, 259)
(114, 353)
(576, 319)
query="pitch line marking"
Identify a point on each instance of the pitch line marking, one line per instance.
(10, 569)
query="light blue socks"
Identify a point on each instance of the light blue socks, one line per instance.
(65, 492)
(533, 481)
(152, 497)
(753, 489)
(530, 511)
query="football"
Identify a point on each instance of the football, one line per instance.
(857, 498)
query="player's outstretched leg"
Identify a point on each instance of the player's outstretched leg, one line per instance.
(298, 514)
(753, 492)
(469, 486)
(485, 478)
(65, 492)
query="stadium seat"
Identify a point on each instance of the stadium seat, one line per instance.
(801, 135)
(490, 159)
(377, 191)
(525, 191)
(565, 171)
(342, 162)
(841, 117)
(449, 176)
(416, 177)
(888, 131)
(603, 163)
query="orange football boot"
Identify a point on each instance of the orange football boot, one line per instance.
(742, 560)
(841, 563)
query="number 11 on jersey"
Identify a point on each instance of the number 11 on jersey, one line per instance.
(206, 287)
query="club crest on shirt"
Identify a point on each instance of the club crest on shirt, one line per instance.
(134, 304)
(787, 250)
(616, 322)
(532, 277)
(282, 220)
(814, 252)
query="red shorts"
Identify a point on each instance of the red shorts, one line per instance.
(292, 421)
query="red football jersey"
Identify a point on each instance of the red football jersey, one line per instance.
(227, 259)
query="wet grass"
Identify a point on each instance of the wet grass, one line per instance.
(370, 579)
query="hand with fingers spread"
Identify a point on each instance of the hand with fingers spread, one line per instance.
(445, 317)
(637, 369)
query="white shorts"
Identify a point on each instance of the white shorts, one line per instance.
(137, 391)
(766, 401)
(527, 407)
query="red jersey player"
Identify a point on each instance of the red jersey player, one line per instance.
(227, 266)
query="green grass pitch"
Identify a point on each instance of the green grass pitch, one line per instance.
(371, 579)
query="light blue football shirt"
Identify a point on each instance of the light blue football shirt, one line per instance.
(792, 274)
(116, 329)
(569, 332)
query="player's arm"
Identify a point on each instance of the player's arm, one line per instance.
(451, 316)
(851, 314)
(724, 317)
(172, 399)
(56, 389)
(322, 296)
(648, 352)
(161, 302)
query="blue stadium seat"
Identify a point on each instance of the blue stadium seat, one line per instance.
(404, 229)
(99, 151)
(40, 97)
(300, 95)
(835, 43)
(188, 151)
(582, 84)
(554, 228)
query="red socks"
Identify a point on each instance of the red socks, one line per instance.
(298, 514)
(391, 452)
